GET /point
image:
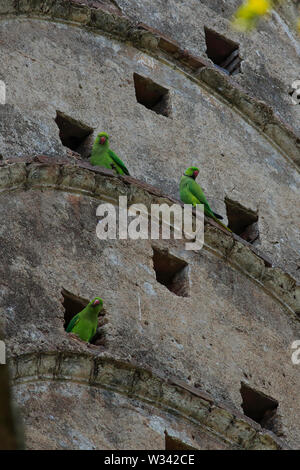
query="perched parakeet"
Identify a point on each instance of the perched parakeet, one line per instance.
(102, 155)
(85, 323)
(191, 193)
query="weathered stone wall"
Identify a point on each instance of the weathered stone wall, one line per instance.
(270, 53)
(239, 321)
(238, 311)
(107, 404)
(90, 78)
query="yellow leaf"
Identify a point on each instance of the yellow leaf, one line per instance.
(248, 14)
(259, 7)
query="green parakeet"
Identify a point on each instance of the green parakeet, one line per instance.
(191, 193)
(85, 323)
(102, 155)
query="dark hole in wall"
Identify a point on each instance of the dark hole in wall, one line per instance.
(222, 51)
(73, 304)
(151, 95)
(173, 443)
(172, 272)
(258, 406)
(73, 134)
(242, 221)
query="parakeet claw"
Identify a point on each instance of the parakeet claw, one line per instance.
(73, 336)
(93, 346)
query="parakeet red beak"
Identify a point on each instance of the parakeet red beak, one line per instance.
(196, 173)
(97, 302)
(102, 140)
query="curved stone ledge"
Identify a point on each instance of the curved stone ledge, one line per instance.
(110, 21)
(170, 395)
(46, 172)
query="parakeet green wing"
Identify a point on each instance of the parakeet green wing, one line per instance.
(94, 332)
(73, 322)
(196, 191)
(118, 161)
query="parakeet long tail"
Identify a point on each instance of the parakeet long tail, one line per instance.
(223, 225)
